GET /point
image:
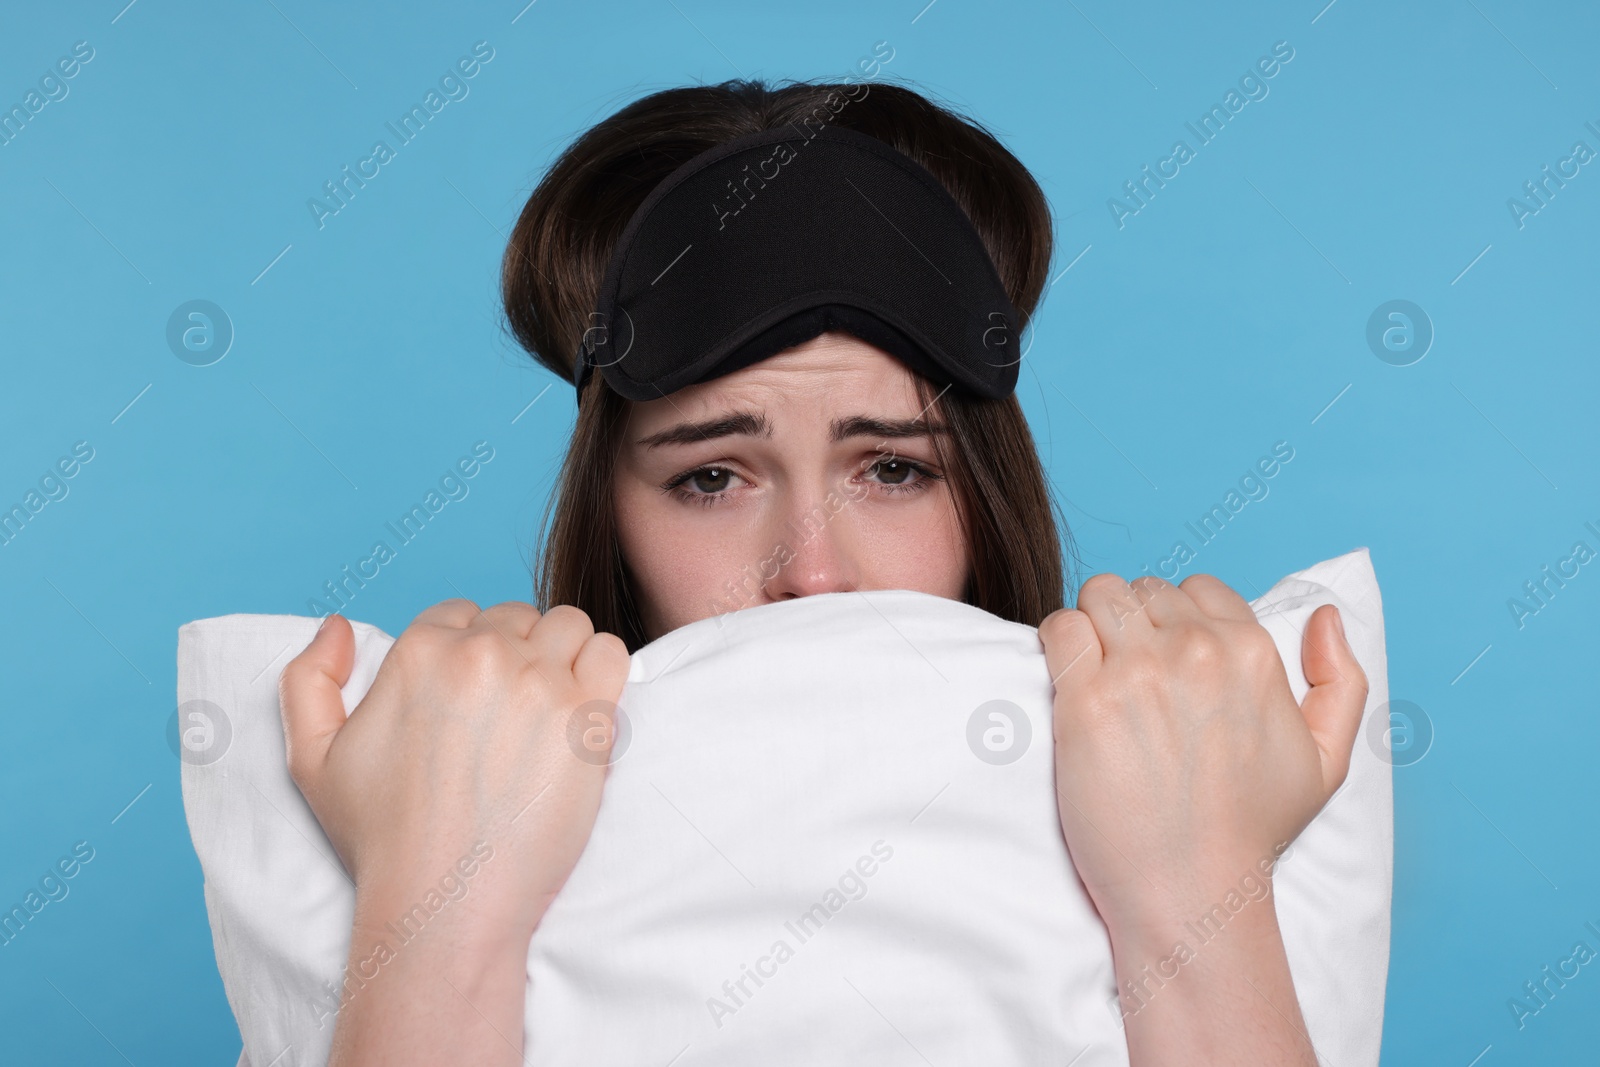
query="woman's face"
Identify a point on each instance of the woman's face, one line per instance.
(810, 471)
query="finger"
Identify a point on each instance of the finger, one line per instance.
(456, 613)
(1332, 709)
(560, 634)
(514, 618)
(308, 696)
(1116, 612)
(1216, 598)
(1165, 603)
(1072, 649)
(603, 662)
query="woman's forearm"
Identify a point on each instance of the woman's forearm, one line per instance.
(1210, 989)
(424, 987)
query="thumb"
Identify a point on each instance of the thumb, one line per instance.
(1332, 709)
(308, 695)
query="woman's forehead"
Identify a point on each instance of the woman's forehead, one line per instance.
(813, 381)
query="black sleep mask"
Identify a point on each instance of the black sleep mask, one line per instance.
(763, 242)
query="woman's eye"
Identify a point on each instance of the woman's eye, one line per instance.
(710, 479)
(706, 486)
(703, 485)
(895, 475)
(892, 472)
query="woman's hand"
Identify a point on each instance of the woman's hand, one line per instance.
(478, 731)
(1183, 767)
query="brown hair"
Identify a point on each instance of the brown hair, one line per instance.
(557, 255)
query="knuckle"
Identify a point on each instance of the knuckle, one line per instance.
(1147, 586)
(611, 646)
(1058, 624)
(1257, 646)
(293, 672)
(428, 615)
(296, 758)
(1200, 649)
(508, 607)
(415, 646)
(606, 655)
(483, 650)
(1341, 772)
(1359, 679)
(1103, 583)
(297, 767)
(571, 614)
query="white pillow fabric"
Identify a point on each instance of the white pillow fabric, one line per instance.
(817, 845)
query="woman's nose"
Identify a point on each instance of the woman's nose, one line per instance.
(818, 554)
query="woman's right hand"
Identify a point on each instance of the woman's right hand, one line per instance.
(482, 728)
(471, 733)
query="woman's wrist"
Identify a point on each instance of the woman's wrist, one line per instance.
(1158, 940)
(429, 977)
(470, 890)
(479, 920)
(1210, 984)
(1191, 899)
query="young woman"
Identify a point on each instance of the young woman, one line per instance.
(1183, 760)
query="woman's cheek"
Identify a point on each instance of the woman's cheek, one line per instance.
(684, 570)
(945, 565)
(919, 548)
(702, 577)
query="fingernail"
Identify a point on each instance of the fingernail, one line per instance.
(323, 624)
(1338, 622)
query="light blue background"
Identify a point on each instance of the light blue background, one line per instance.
(1222, 318)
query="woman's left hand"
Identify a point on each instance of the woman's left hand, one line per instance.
(1182, 757)
(1184, 765)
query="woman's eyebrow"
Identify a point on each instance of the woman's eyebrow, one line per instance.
(866, 426)
(743, 423)
(756, 424)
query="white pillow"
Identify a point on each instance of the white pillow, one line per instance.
(807, 850)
